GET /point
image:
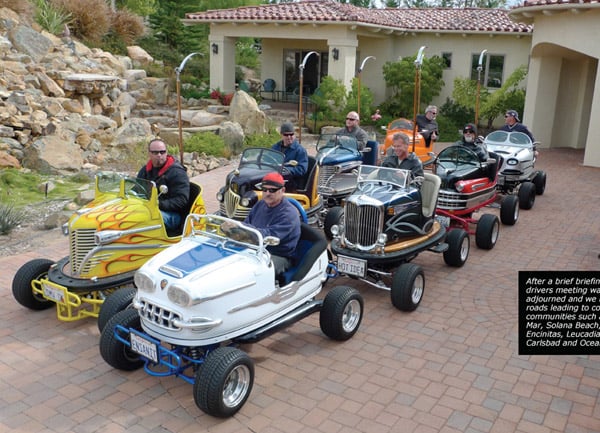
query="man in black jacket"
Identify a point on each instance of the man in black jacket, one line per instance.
(164, 169)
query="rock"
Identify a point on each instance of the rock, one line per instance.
(233, 136)
(244, 110)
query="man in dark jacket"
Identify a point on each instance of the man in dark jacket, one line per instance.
(471, 141)
(402, 158)
(513, 124)
(289, 146)
(427, 125)
(164, 169)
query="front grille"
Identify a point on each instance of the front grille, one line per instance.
(451, 200)
(82, 242)
(325, 172)
(231, 207)
(362, 224)
(158, 315)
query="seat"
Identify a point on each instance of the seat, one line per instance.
(195, 191)
(370, 158)
(307, 179)
(269, 86)
(429, 193)
(311, 245)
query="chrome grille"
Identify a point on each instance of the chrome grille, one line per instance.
(362, 224)
(158, 315)
(451, 200)
(231, 202)
(325, 172)
(82, 242)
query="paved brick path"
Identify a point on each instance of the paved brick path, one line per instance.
(449, 366)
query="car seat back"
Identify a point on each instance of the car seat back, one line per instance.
(311, 245)
(308, 178)
(370, 158)
(429, 193)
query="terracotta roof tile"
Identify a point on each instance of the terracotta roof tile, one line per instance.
(430, 19)
(528, 3)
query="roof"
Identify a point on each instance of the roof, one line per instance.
(329, 12)
(528, 3)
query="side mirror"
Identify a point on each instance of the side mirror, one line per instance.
(366, 149)
(292, 163)
(163, 189)
(384, 127)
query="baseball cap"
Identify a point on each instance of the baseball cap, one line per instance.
(286, 128)
(470, 127)
(272, 179)
(514, 114)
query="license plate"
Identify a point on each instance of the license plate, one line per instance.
(352, 266)
(56, 295)
(144, 347)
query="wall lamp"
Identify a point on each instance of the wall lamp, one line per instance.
(215, 48)
(336, 54)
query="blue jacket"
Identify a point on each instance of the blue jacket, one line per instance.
(294, 152)
(281, 221)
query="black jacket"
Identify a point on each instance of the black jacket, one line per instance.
(175, 177)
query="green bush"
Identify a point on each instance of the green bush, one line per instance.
(262, 140)
(9, 218)
(207, 143)
(51, 17)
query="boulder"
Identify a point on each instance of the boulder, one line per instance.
(244, 110)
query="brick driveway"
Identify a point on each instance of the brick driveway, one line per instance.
(449, 366)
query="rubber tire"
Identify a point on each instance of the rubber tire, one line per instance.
(459, 246)
(509, 210)
(486, 233)
(526, 195)
(21, 285)
(341, 313)
(218, 373)
(408, 287)
(539, 181)
(114, 352)
(118, 300)
(334, 216)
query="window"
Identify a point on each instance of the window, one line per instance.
(447, 57)
(316, 68)
(492, 70)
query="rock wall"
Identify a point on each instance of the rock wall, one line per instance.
(65, 107)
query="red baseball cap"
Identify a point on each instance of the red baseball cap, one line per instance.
(273, 179)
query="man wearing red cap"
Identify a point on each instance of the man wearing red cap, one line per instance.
(274, 215)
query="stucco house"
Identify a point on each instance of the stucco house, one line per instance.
(563, 83)
(562, 53)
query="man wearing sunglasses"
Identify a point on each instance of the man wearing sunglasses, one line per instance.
(164, 169)
(293, 151)
(427, 125)
(352, 129)
(471, 141)
(274, 215)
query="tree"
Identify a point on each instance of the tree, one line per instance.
(401, 75)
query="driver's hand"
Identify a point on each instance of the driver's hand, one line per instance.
(227, 226)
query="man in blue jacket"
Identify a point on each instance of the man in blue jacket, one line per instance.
(289, 146)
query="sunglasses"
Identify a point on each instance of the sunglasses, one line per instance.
(350, 118)
(158, 152)
(271, 190)
(434, 113)
(288, 134)
(468, 131)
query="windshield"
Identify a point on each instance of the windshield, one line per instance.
(212, 227)
(505, 138)
(401, 124)
(331, 141)
(111, 182)
(262, 158)
(396, 176)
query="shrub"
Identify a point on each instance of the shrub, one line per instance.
(91, 18)
(9, 218)
(127, 25)
(207, 143)
(262, 140)
(50, 17)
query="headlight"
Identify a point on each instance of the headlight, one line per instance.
(143, 282)
(178, 296)
(219, 196)
(382, 238)
(335, 230)
(512, 161)
(459, 186)
(249, 199)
